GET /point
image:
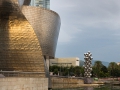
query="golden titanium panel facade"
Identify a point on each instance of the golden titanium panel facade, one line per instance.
(25, 44)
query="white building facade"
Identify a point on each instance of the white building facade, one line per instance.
(118, 63)
(65, 61)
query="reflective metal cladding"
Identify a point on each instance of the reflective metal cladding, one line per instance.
(27, 35)
(46, 25)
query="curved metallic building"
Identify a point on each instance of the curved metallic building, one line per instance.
(46, 25)
(28, 35)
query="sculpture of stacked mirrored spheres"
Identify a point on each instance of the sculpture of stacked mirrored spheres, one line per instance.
(87, 67)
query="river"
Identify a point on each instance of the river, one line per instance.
(72, 87)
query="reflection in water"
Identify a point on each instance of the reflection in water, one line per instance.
(76, 87)
(88, 88)
(70, 87)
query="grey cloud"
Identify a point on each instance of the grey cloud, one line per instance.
(88, 25)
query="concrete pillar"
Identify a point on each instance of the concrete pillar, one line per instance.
(48, 61)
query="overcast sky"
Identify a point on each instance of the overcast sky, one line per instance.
(89, 25)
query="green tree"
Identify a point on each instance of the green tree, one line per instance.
(97, 68)
(112, 65)
(104, 72)
(82, 71)
(77, 71)
(112, 68)
(71, 70)
(51, 69)
(66, 71)
(104, 69)
(56, 71)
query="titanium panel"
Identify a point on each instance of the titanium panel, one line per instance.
(25, 40)
(19, 46)
(46, 24)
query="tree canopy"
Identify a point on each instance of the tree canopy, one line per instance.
(99, 70)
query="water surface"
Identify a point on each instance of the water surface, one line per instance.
(74, 87)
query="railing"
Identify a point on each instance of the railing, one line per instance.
(21, 74)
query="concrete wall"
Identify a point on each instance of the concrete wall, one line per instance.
(58, 82)
(66, 80)
(23, 83)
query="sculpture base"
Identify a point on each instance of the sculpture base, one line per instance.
(88, 80)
